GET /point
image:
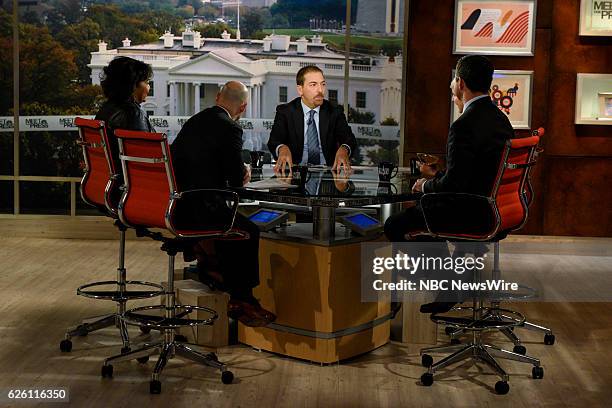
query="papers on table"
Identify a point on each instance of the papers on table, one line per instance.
(267, 184)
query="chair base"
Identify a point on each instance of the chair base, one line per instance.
(97, 323)
(167, 349)
(480, 352)
(549, 337)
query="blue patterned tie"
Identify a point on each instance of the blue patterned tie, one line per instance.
(313, 140)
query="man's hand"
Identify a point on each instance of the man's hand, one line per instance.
(418, 185)
(342, 160)
(428, 171)
(284, 160)
(247, 175)
(341, 181)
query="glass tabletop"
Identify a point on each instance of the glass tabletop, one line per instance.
(318, 185)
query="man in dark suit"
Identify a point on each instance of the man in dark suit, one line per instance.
(207, 155)
(309, 129)
(473, 152)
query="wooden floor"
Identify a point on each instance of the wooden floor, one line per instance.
(38, 280)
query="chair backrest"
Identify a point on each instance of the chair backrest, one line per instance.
(101, 180)
(148, 178)
(508, 191)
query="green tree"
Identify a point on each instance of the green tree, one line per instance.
(115, 26)
(356, 116)
(160, 21)
(389, 122)
(209, 11)
(81, 38)
(251, 22)
(214, 30)
(47, 69)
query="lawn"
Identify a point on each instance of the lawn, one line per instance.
(359, 43)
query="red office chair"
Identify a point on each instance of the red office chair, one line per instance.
(506, 211)
(549, 337)
(149, 200)
(100, 187)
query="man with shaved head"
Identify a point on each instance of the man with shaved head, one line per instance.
(207, 155)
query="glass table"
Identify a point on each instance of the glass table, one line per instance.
(324, 192)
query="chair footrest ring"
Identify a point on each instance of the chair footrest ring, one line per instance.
(462, 320)
(139, 316)
(121, 292)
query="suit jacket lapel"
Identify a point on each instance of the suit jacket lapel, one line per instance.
(324, 114)
(298, 119)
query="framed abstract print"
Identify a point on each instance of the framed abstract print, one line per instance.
(511, 92)
(503, 27)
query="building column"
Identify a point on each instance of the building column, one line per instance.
(256, 101)
(196, 98)
(186, 99)
(172, 98)
(250, 104)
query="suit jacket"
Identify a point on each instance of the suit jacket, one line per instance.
(207, 154)
(473, 151)
(475, 144)
(288, 129)
(127, 115)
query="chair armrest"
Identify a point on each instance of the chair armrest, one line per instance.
(459, 215)
(214, 197)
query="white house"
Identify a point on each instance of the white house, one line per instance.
(188, 71)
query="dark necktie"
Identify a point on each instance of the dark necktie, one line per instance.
(313, 140)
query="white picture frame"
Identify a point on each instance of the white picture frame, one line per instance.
(591, 91)
(502, 27)
(501, 95)
(595, 21)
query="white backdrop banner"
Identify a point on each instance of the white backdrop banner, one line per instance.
(172, 125)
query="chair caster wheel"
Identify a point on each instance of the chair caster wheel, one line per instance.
(142, 360)
(427, 379)
(125, 350)
(155, 387)
(82, 329)
(537, 373)
(227, 377)
(502, 387)
(455, 341)
(549, 339)
(426, 360)
(520, 349)
(65, 346)
(107, 371)
(181, 338)
(145, 330)
(450, 330)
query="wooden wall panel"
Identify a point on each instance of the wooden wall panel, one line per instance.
(572, 207)
(560, 54)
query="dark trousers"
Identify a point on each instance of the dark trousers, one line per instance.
(408, 221)
(239, 259)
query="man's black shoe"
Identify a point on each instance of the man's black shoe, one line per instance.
(437, 307)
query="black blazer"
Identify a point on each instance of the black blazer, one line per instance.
(127, 115)
(473, 151)
(207, 154)
(288, 129)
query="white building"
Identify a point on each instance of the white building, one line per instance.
(188, 71)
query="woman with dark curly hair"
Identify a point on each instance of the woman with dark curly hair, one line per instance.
(125, 83)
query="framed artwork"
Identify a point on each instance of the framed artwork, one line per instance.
(596, 17)
(593, 99)
(503, 27)
(511, 93)
(605, 105)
